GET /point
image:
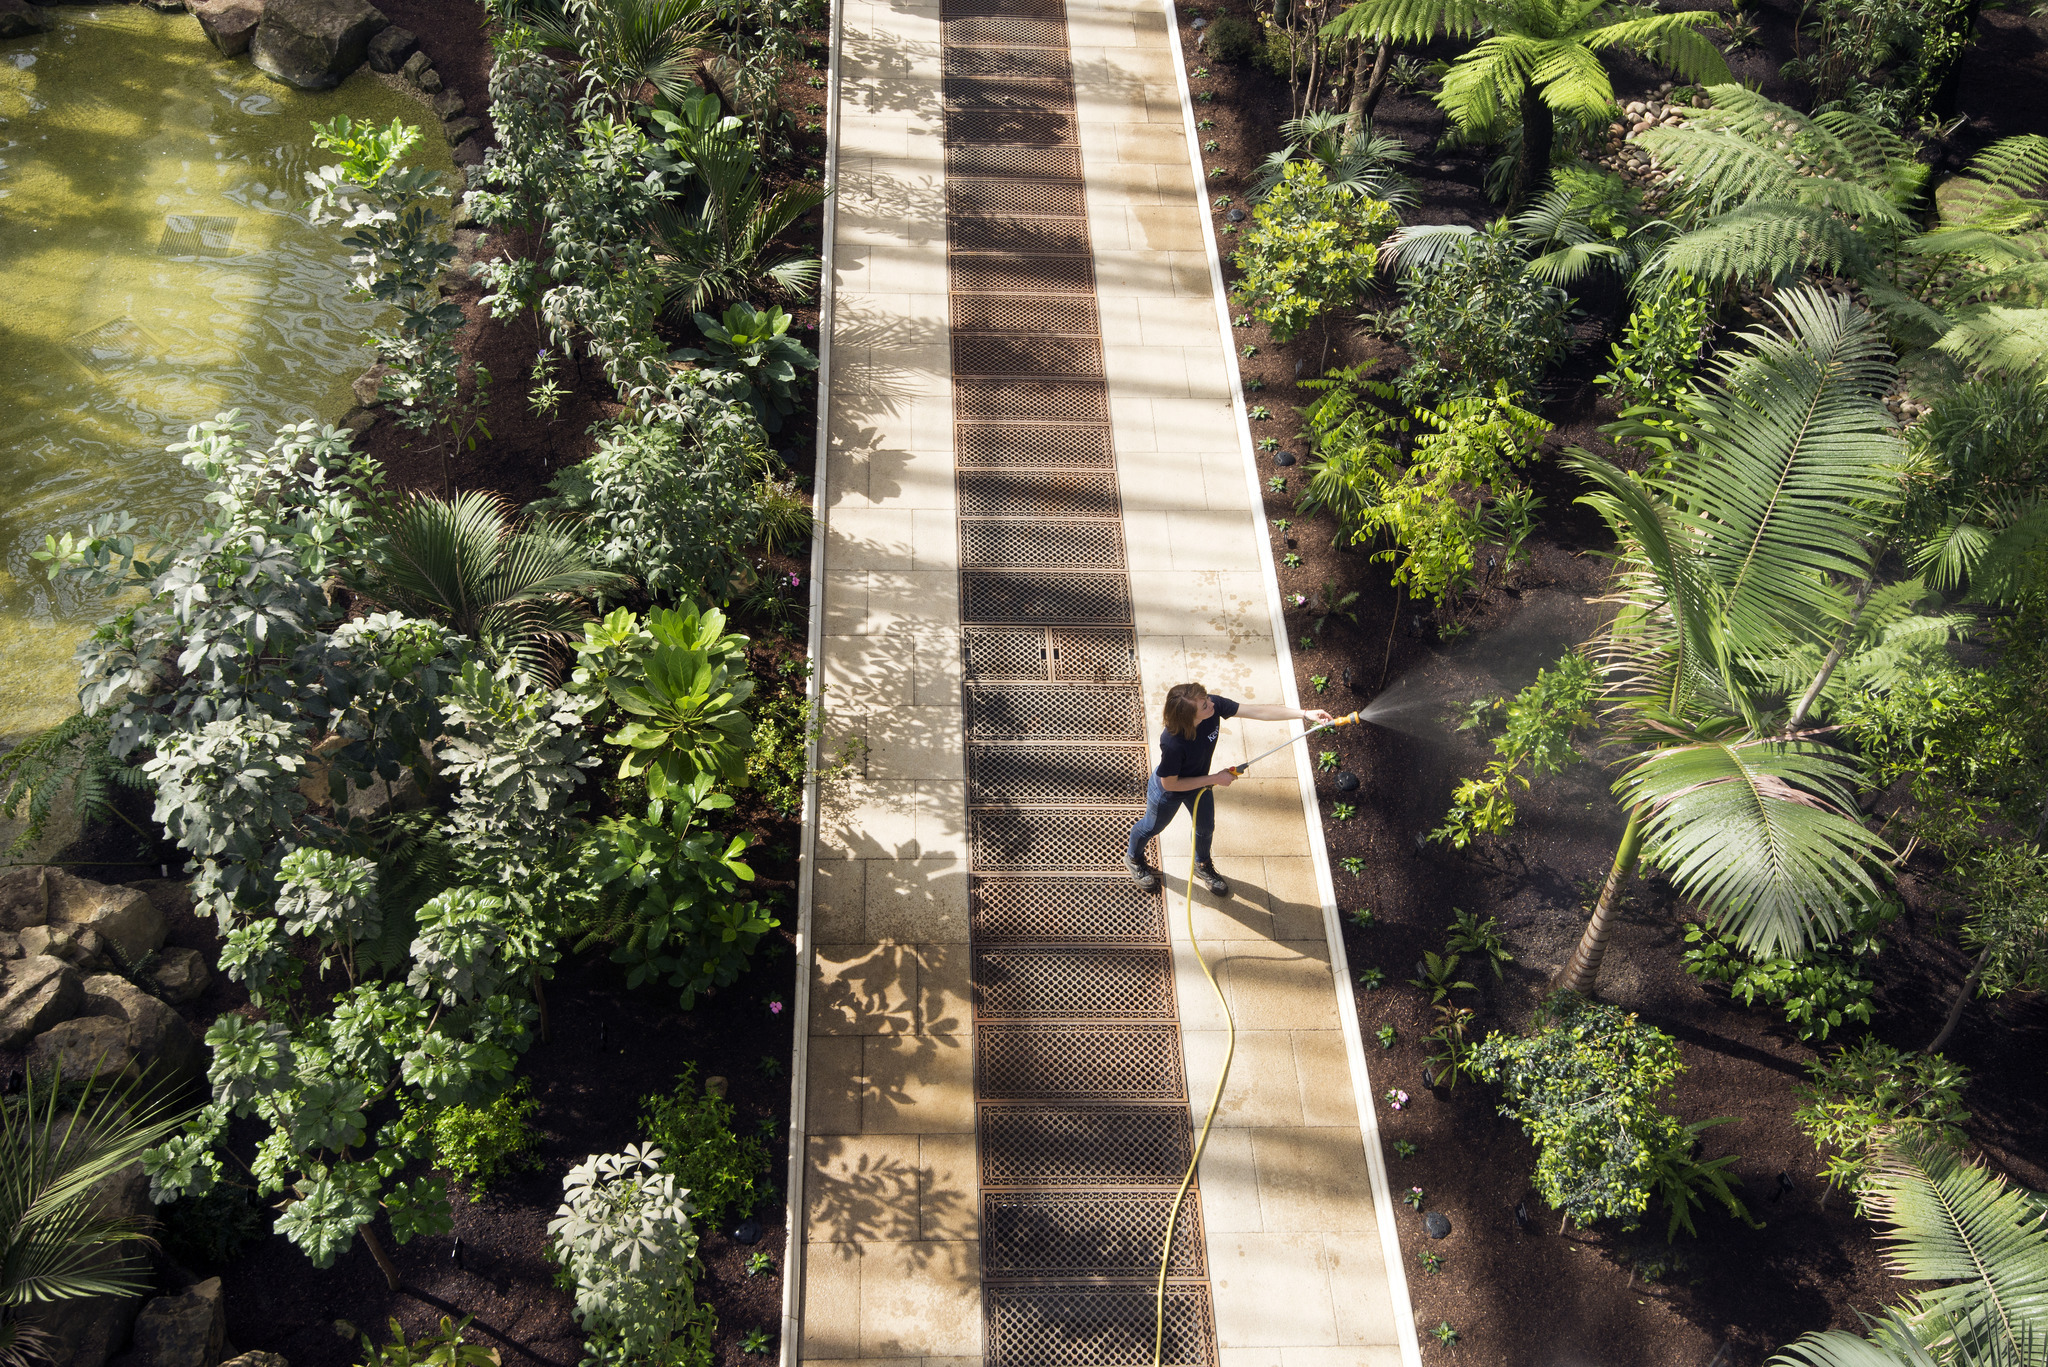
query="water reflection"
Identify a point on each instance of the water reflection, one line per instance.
(158, 268)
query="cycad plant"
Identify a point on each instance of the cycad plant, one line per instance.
(508, 585)
(61, 1242)
(1954, 1223)
(1540, 59)
(720, 245)
(1743, 551)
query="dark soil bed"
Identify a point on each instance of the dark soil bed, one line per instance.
(1532, 1295)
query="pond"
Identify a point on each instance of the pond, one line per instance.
(158, 268)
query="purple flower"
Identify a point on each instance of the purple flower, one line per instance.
(775, 1008)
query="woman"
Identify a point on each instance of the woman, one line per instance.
(1193, 721)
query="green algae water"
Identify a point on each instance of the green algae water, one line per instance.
(157, 268)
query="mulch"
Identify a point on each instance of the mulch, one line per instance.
(1519, 1295)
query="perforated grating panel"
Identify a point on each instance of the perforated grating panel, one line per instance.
(978, 447)
(1025, 313)
(1040, 1146)
(1074, 545)
(1012, 163)
(1036, 493)
(1006, 655)
(1049, 842)
(1034, 1326)
(986, 355)
(111, 345)
(1014, 126)
(1021, 9)
(1077, 910)
(1006, 33)
(1047, 63)
(1074, 984)
(1054, 236)
(1052, 198)
(1078, 1062)
(1045, 598)
(975, 92)
(197, 235)
(995, 713)
(1047, 274)
(1101, 1235)
(1103, 656)
(1071, 775)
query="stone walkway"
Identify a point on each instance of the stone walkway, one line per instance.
(1291, 1200)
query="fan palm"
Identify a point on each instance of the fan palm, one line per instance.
(1557, 231)
(626, 44)
(507, 585)
(1733, 557)
(719, 252)
(1540, 59)
(1952, 1222)
(1363, 163)
(60, 1241)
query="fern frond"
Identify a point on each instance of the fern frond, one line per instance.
(1410, 22)
(1999, 340)
(1770, 240)
(1669, 40)
(2018, 164)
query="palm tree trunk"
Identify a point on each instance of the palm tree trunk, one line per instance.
(1834, 657)
(1955, 1009)
(1539, 130)
(1584, 968)
(1365, 95)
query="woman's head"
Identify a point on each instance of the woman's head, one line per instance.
(1186, 706)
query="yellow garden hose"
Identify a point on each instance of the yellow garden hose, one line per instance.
(1230, 1039)
(1215, 1100)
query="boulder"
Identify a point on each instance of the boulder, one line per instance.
(19, 19)
(171, 896)
(429, 81)
(80, 946)
(35, 995)
(131, 925)
(257, 1359)
(10, 945)
(180, 975)
(230, 25)
(314, 44)
(163, 1046)
(87, 1049)
(90, 1331)
(390, 48)
(185, 1330)
(450, 105)
(455, 130)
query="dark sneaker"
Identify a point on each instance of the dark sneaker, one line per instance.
(1142, 876)
(1211, 880)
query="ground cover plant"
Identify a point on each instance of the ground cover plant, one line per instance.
(475, 780)
(1753, 320)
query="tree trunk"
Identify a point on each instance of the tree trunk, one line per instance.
(540, 999)
(1834, 657)
(1584, 969)
(1539, 129)
(1367, 97)
(1955, 1009)
(384, 1263)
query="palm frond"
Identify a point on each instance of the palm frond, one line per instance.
(1837, 1348)
(1762, 833)
(1955, 1222)
(1421, 246)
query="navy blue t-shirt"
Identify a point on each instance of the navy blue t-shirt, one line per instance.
(1190, 758)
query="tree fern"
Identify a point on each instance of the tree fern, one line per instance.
(72, 754)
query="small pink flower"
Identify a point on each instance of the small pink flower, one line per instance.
(775, 1007)
(795, 582)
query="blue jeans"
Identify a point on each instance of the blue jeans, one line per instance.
(1160, 807)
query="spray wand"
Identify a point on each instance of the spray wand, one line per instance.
(1348, 719)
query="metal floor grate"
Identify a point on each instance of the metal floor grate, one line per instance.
(1074, 984)
(1066, 910)
(1068, 775)
(979, 446)
(197, 235)
(1079, 1062)
(1051, 714)
(1048, 842)
(1082, 1118)
(1088, 1234)
(1024, 1145)
(1032, 1326)
(110, 346)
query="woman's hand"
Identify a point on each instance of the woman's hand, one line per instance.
(1316, 716)
(1222, 778)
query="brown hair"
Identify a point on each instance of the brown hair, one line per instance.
(1183, 701)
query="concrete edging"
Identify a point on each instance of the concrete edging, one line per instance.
(1340, 968)
(788, 1351)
